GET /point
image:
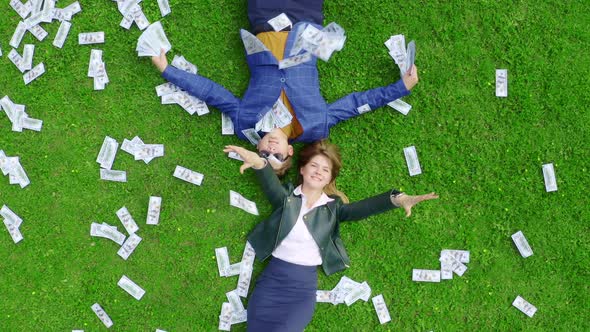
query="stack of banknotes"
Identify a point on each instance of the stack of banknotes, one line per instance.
(34, 13)
(233, 311)
(18, 117)
(16, 173)
(172, 94)
(12, 222)
(152, 41)
(97, 70)
(451, 261)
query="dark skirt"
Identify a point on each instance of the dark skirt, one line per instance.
(284, 298)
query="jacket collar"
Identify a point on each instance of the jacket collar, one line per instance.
(323, 200)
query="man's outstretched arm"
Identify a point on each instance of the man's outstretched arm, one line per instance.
(203, 88)
(347, 107)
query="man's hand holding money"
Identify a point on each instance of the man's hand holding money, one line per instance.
(411, 77)
(161, 62)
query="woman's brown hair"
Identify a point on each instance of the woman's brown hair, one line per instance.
(329, 151)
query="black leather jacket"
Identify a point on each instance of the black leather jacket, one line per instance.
(323, 222)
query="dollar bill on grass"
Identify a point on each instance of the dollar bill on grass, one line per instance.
(522, 244)
(501, 82)
(28, 52)
(107, 231)
(235, 301)
(153, 213)
(102, 315)
(452, 264)
(21, 9)
(425, 275)
(244, 280)
(225, 317)
(239, 201)
(13, 230)
(130, 287)
(18, 34)
(222, 260)
(62, 34)
(17, 60)
(524, 306)
(400, 106)
(381, 309)
(164, 7)
(88, 38)
(107, 153)
(412, 160)
(227, 126)
(129, 246)
(549, 177)
(188, 175)
(127, 220)
(113, 175)
(34, 73)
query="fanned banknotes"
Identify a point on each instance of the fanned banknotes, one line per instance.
(152, 40)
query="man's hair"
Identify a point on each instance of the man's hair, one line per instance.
(329, 151)
(285, 166)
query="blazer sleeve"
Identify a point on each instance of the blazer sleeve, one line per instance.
(203, 88)
(271, 186)
(366, 207)
(346, 107)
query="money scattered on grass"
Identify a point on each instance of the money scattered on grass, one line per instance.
(28, 52)
(130, 287)
(89, 38)
(97, 70)
(522, 244)
(549, 177)
(62, 34)
(237, 200)
(16, 173)
(153, 213)
(18, 117)
(400, 106)
(501, 82)
(17, 60)
(412, 160)
(129, 246)
(142, 151)
(524, 306)
(152, 40)
(346, 291)
(225, 317)
(102, 315)
(188, 175)
(235, 301)
(12, 222)
(381, 309)
(222, 260)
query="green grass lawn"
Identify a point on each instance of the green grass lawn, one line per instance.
(482, 154)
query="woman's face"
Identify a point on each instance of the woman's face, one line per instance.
(317, 173)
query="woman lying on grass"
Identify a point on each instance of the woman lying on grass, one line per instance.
(303, 232)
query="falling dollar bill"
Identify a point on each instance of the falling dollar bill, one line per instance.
(237, 200)
(295, 60)
(381, 309)
(251, 135)
(426, 275)
(251, 43)
(501, 82)
(400, 106)
(34, 73)
(127, 220)
(549, 177)
(188, 175)
(280, 22)
(281, 115)
(522, 244)
(222, 260)
(113, 175)
(129, 246)
(130, 287)
(102, 315)
(412, 160)
(524, 306)
(154, 207)
(88, 38)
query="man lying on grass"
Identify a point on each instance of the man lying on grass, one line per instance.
(297, 87)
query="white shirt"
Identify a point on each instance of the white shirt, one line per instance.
(299, 247)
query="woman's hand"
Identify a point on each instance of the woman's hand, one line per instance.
(408, 201)
(160, 61)
(251, 159)
(411, 77)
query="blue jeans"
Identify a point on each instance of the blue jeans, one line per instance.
(260, 11)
